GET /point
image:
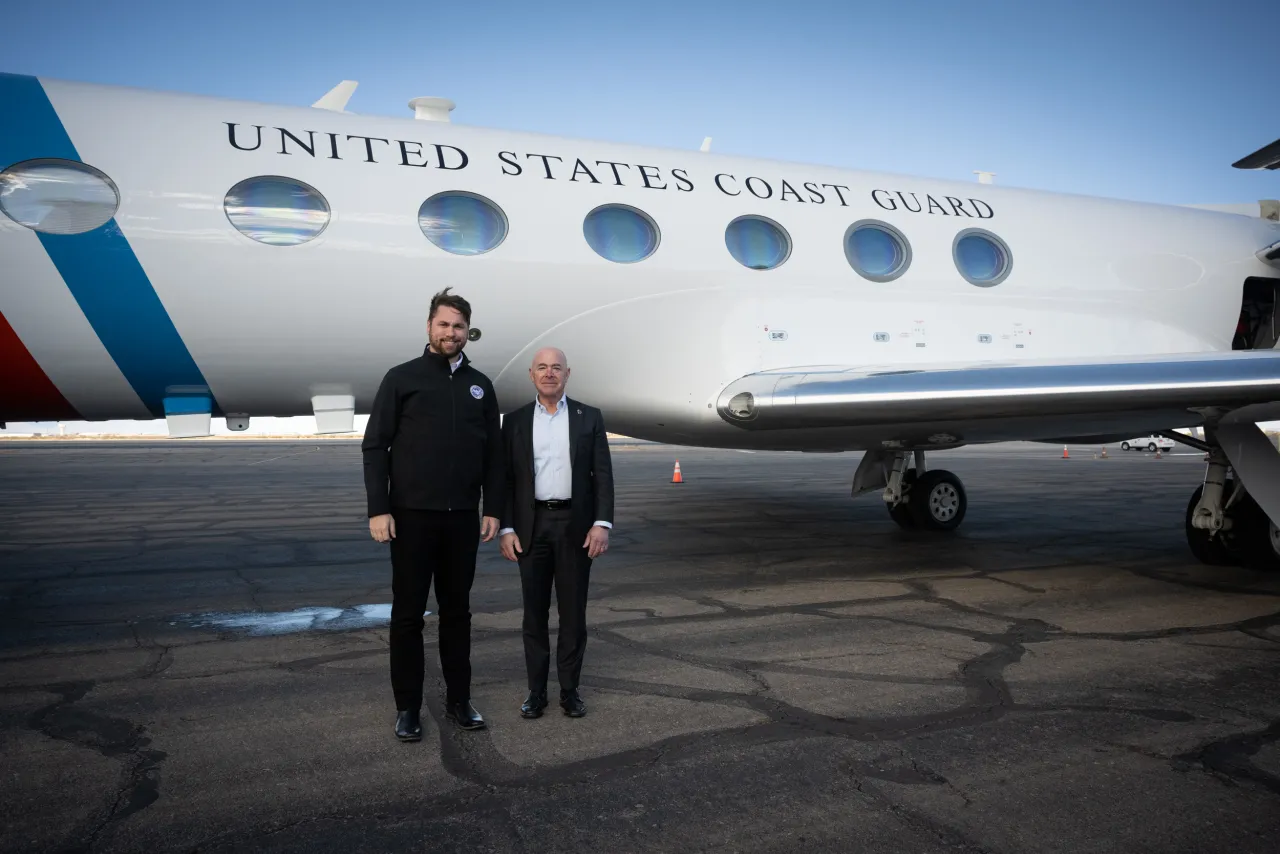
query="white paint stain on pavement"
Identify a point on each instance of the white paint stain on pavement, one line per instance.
(300, 620)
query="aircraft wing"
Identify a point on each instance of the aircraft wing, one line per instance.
(835, 396)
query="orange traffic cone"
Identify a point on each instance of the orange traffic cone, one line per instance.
(1158, 454)
(1104, 452)
(1065, 455)
(676, 478)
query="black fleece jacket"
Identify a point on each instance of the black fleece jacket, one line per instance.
(433, 440)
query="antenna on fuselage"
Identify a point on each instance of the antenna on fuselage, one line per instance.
(706, 144)
(430, 109)
(985, 177)
(336, 98)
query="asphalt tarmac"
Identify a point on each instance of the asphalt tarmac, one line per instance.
(193, 656)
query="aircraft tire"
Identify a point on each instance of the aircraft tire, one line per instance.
(901, 513)
(937, 501)
(1254, 538)
(1211, 551)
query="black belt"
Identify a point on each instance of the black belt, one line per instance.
(556, 504)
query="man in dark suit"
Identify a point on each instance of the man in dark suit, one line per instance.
(557, 517)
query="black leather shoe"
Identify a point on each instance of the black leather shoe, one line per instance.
(464, 715)
(572, 704)
(409, 726)
(533, 705)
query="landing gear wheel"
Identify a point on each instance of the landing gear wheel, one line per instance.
(937, 501)
(901, 512)
(1214, 551)
(1254, 537)
(902, 515)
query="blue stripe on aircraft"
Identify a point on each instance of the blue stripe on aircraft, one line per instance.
(99, 266)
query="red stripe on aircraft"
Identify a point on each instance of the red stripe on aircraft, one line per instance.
(26, 392)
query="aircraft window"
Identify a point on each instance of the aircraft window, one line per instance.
(756, 242)
(877, 250)
(462, 223)
(57, 196)
(620, 233)
(276, 211)
(981, 257)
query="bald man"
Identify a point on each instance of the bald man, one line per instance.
(556, 520)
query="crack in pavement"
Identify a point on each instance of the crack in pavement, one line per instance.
(1154, 574)
(949, 836)
(161, 655)
(989, 575)
(114, 738)
(253, 589)
(1228, 758)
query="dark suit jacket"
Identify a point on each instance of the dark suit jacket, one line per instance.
(589, 457)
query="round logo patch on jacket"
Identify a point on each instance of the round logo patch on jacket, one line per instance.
(477, 392)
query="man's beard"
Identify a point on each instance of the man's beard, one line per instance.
(443, 346)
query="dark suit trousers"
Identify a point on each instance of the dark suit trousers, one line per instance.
(554, 557)
(442, 545)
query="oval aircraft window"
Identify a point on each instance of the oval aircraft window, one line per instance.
(877, 250)
(461, 223)
(981, 257)
(57, 196)
(756, 242)
(620, 233)
(276, 211)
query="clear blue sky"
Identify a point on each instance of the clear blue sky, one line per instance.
(1141, 99)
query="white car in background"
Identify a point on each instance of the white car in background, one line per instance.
(1148, 443)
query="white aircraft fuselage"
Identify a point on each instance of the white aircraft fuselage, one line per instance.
(654, 344)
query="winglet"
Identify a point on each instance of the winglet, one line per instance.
(336, 98)
(1267, 157)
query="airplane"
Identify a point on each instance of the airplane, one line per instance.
(167, 255)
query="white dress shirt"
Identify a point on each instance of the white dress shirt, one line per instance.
(552, 459)
(552, 466)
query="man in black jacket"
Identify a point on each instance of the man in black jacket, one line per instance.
(555, 521)
(433, 443)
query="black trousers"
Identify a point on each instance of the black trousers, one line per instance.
(554, 557)
(442, 545)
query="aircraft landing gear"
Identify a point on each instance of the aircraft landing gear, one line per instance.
(1225, 526)
(928, 500)
(1209, 547)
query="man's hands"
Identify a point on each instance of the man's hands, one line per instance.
(597, 542)
(382, 528)
(510, 546)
